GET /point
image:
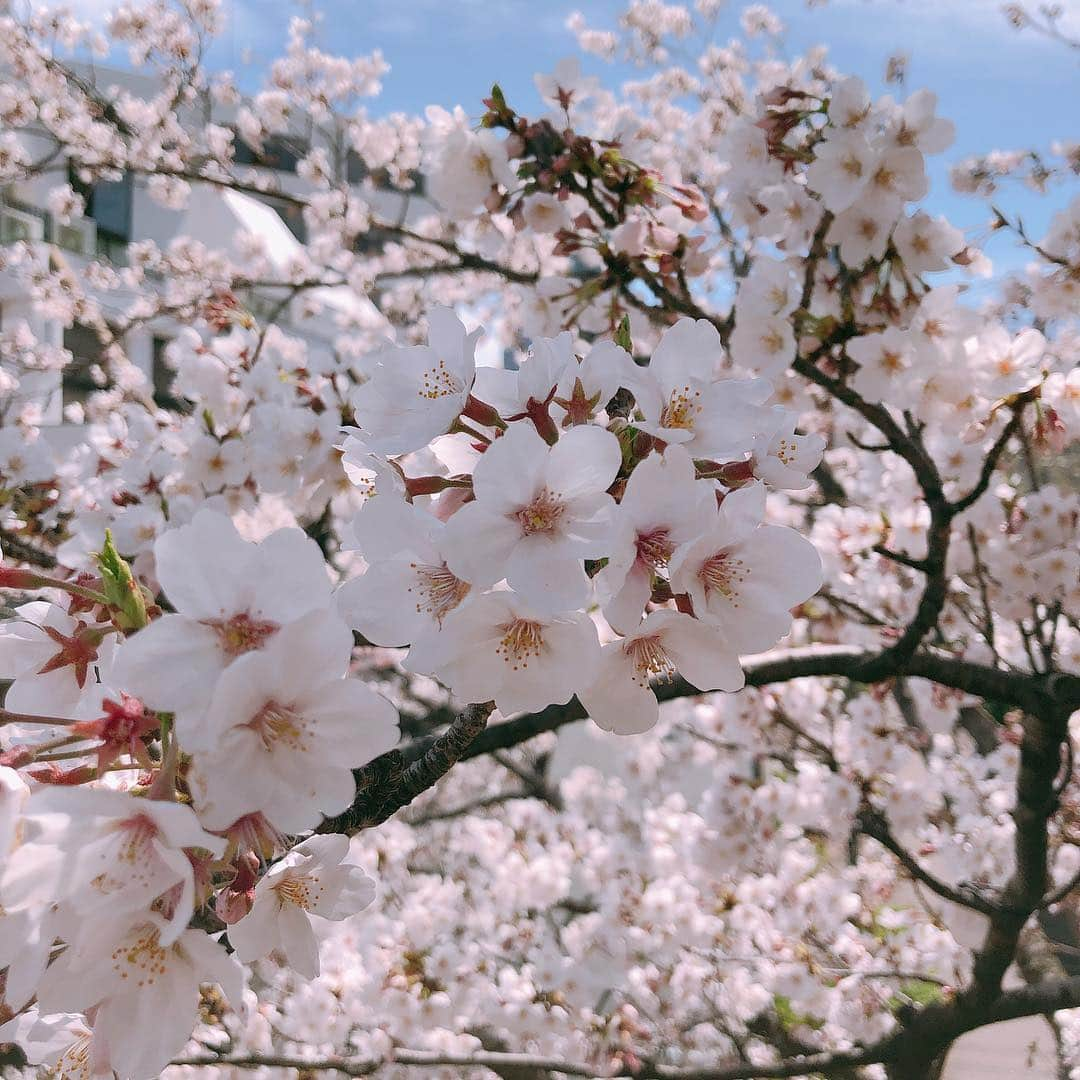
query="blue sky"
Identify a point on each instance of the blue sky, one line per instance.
(1002, 88)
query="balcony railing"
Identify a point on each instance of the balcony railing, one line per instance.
(17, 224)
(21, 222)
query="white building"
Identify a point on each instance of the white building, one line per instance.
(122, 212)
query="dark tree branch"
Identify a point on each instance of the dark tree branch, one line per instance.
(872, 823)
(936, 1025)
(386, 773)
(388, 783)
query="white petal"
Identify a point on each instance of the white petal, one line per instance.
(546, 577)
(256, 934)
(615, 701)
(478, 542)
(298, 941)
(702, 654)
(201, 565)
(170, 665)
(292, 561)
(584, 460)
(510, 470)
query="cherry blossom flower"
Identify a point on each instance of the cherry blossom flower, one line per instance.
(885, 360)
(746, 576)
(286, 730)
(1010, 364)
(416, 392)
(783, 458)
(916, 124)
(312, 881)
(466, 166)
(566, 85)
(926, 244)
(842, 168)
(663, 507)
(230, 597)
(763, 343)
(103, 853)
(496, 647)
(62, 1042)
(665, 643)
(402, 546)
(543, 213)
(24, 458)
(146, 991)
(683, 399)
(539, 511)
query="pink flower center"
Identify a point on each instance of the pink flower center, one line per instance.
(542, 515)
(722, 574)
(280, 726)
(138, 832)
(681, 409)
(654, 548)
(254, 833)
(522, 640)
(650, 659)
(243, 633)
(438, 591)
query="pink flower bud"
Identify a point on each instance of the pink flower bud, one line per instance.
(231, 906)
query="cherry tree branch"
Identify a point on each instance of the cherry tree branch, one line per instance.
(935, 1025)
(388, 783)
(381, 783)
(872, 823)
(489, 1059)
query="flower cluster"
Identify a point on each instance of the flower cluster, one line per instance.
(574, 478)
(161, 776)
(724, 399)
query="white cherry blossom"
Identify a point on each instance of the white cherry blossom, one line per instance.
(666, 643)
(313, 880)
(145, 992)
(496, 647)
(416, 392)
(663, 507)
(286, 729)
(747, 576)
(230, 597)
(539, 512)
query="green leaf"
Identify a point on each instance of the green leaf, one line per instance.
(921, 991)
(120, 586)
(622, 335)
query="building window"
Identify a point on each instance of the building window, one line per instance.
(356, 171)
(162, 374)
(292, 214)
(279, 152)
(110, 205)
(77, 380)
